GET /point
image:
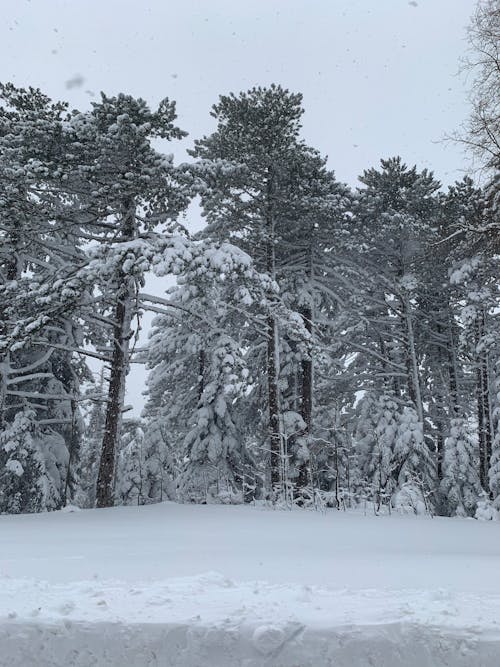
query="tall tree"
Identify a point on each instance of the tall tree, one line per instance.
(247, 165)
(126, 189)
(482, 132)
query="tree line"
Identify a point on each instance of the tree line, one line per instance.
(321, 344)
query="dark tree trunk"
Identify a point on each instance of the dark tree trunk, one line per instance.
(272, 348)
(483, 408)
(412, 362)
(307, 396)
(441, 404)
(118, 374)
(453, 376)
(440, 452)
(119, 369)
(273, 398)
(307, 375)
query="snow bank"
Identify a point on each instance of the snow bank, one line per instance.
(138, 586)
(210, 620)
(141, 645)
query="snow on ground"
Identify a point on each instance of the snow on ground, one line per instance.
(217, 586)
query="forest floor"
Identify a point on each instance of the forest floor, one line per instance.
(231, 586)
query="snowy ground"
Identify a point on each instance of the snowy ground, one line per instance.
(212, 586)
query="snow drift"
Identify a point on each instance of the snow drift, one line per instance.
(203, 586)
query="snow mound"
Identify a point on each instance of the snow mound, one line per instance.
(70, 644)
(211, 621)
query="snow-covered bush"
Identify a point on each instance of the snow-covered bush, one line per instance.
(22, 484)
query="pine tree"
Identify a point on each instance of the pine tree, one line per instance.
(214, 470)
(132, 474)
(460, 485)
(376, 442)
(38, 251)
(247, 166)
(397, 210)
(415, 464)
(126, 190)
(198, 370)
(23, 483)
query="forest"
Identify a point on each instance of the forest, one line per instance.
(313, 345)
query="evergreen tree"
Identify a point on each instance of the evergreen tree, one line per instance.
(248, 167)
(460, 485)
(376, 440)
(23, 481)
(126, 189)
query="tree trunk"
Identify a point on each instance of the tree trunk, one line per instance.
(275, 437)
(412, 363)
(453, 374)
(307, 396)
(118, 373)
(483, 408)
(273, 397)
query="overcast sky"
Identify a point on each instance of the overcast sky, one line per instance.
(379, 77)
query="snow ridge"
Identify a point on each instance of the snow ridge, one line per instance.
(246, 624)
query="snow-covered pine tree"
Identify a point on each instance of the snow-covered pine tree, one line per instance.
(314, 239)
(397, 211)
(247, 167)
(477, 282)
(23, 480)
(438, 333)
(415, 465)
(376, 440)
(173, 359)
(94, 400)
(216, 460)
(132, 479)
(126, 189)
(197, 355)
(38, 251)
(460, 484)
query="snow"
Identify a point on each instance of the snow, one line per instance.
(235, 586)
(14, 466)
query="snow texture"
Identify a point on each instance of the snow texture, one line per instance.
(233, 586)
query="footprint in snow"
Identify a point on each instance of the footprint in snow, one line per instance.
(66, 608)
(158, 602)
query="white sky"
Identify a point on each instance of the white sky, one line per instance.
(379, 77)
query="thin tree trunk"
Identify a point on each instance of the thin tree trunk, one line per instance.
(453, 374)
(481, 427)
(273, 349)
(483, 407)
(412, 363)
(119, 369)
(273, 397)
(73, 442)
(487, 416)
(201, 373)
(442, 417)
(307, 382)
(307, 396)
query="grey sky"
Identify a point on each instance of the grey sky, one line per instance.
(379, 77)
